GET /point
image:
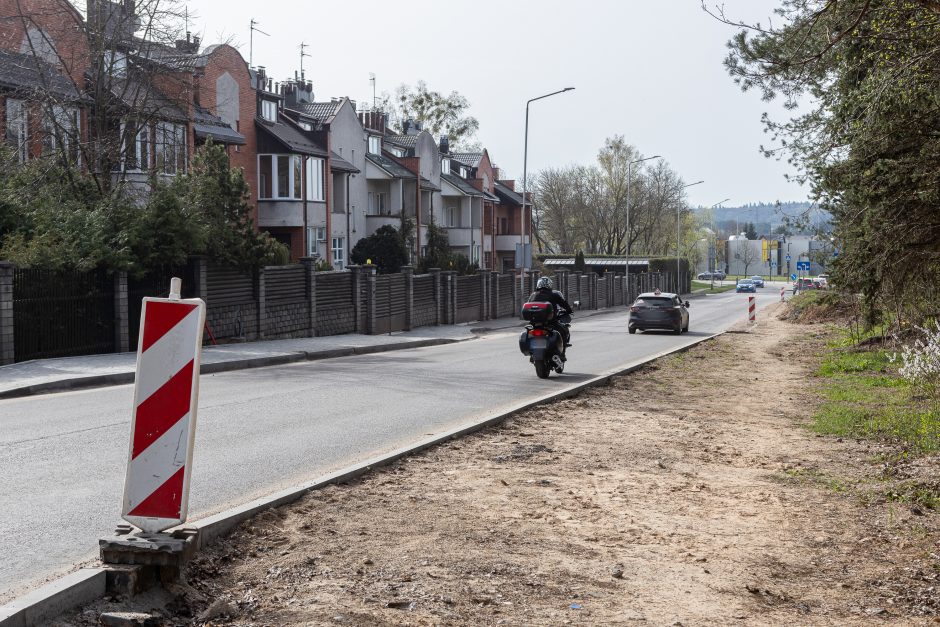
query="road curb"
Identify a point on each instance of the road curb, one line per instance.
(88, 584)
(55, 598)
(123, 378)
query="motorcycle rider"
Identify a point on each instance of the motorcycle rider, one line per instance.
(545, 294)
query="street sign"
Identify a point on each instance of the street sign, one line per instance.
(166, 394)
(793, 277)
(788, 257)
(773, 264)
(802, 265)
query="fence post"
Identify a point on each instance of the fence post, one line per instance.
(595, 302)
(259, 302)
(200, 266)
(438, 300)
(452, 296)
(409, 273)
(370, 300)
(6, 312)
(483, 275)
(494, 295)
(516, 304)
(357, 272)
(122, 330)
(310, 287)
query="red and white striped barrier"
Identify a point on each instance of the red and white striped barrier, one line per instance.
(166, 393)
(751, 309)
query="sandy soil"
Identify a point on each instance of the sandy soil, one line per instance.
(688, 493)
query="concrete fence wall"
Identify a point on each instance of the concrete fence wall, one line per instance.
(298, 301)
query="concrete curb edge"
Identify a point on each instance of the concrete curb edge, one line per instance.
(88, 584)
(122, 378)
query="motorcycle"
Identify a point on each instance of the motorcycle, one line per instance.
(540, 342)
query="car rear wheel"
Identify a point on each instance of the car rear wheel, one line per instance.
(632, 330)
(678, 329)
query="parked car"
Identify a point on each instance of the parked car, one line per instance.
(757, 280)
(804, 284)
(659, 310)
(745, 285)
(821, 283)
(718, 275)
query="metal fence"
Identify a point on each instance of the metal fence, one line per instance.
(59, 313)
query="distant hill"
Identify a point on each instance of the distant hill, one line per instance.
(803, 217)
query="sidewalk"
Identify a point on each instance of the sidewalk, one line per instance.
(67, 373)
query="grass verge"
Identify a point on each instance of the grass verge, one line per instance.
(706, 285)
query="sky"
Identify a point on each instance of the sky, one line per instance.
(650, 70)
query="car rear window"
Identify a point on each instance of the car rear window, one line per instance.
(654, 302)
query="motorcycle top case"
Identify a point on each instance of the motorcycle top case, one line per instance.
(538, 312)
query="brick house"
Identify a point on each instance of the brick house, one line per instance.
(335, 125)
(43, 59)
(477, 169)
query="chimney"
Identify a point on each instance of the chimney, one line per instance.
(445, 145)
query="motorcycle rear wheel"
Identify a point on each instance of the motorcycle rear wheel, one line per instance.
(542, 369)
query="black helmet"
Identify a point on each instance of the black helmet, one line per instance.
(544, 283)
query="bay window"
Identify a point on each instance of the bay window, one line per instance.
(18, 128)
(279, 177)
(61, 132)
(170, 147)
(315, 179)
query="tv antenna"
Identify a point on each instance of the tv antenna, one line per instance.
(372, 80)
(303, 54)
(251, 41)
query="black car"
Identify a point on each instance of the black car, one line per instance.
(659, 310)
(718, 275)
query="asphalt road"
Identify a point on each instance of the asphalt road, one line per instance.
(63, 456)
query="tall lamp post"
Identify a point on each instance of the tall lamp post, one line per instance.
(717, 204)
(525, 180)
(679, 236)
(630, 180)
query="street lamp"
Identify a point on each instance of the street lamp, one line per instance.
(525, 180)
(629, 180)
(678, 236)
(717, 204)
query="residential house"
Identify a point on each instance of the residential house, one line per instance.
(420, 189)
(509, 223)
(43, 60)
(462, 207)
(335, 125)
(477, 169)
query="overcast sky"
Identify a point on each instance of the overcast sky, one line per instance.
(649, 70)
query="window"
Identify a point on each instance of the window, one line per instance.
(398, 152)
(338, 246)
(17, 128)
(115, 63)
(463, 172)
(315, 179)
(445, 166)
(375, 144)
(503, 228)
(378, 204)
(486, 181)
(269, 110)
(306, 126)
(136, 156)
(321, 233)
(279, 177)
(170, 148)
(60, 128)
(453, 217)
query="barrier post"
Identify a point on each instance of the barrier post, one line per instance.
(751, 309)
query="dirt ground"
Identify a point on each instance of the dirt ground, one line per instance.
(685, 494)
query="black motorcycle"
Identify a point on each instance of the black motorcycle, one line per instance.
(540, 341)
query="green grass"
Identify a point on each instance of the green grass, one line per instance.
(706, 285)
(864, 397)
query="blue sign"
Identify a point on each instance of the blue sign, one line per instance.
(793, 277)
(788, 257)
(802, 265)
(773, 264)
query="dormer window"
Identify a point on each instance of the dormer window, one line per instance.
(398, 152)
(306, 126)
(375, 145)
(269, 110)
(445, 166)
(463, 172)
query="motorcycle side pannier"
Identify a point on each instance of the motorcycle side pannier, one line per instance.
(538, 312)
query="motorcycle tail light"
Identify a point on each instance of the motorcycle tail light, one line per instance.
(538, 332)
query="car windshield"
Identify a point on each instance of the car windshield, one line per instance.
(653, 301)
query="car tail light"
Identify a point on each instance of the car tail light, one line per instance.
(634, 309)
